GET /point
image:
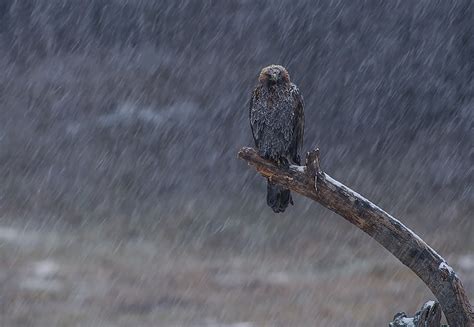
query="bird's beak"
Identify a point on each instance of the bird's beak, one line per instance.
(273, 77)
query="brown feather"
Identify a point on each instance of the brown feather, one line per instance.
(277, 122)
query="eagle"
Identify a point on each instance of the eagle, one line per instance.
(277, 122)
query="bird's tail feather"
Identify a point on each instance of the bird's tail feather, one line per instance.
(278, 197)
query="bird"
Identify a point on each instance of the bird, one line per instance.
(276, 116)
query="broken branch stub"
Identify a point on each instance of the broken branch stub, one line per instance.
(428, 316)
(312, 166)
(404, 244)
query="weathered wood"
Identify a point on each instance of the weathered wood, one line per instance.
(405, 245)
(428, 316)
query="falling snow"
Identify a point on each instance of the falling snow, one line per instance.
(123, 203)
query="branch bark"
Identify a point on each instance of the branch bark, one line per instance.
(404, 244)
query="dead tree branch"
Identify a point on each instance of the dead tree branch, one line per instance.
(404, 244)
(428, 316)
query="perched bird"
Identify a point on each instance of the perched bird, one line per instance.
(277, 122)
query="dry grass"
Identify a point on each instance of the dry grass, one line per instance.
(83, 279)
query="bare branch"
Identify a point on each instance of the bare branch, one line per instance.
(404, 244)
(428, 316)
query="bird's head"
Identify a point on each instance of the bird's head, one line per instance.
(274, 75)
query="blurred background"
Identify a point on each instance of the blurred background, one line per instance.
(123, 203)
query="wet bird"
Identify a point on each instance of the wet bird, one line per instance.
(277, 122)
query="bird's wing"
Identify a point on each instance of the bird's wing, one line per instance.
(298, 125)
(255, 133)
